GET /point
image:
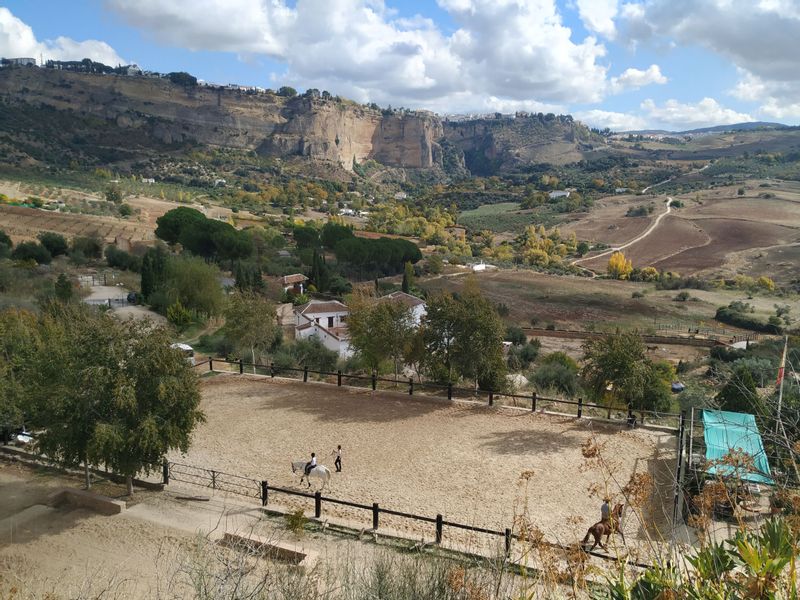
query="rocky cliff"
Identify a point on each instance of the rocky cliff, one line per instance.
(333, 130)
(109, 118)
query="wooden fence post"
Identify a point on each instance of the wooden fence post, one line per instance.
(374, 381)
(264, 493)
(317, 504)
(439, 529)
(213, 480)
(165, 472)
(305, 373)
(449, 390)
(533, 402)
(210, 364)
(508, 541)
(272, 369)
(580, 407)
(410, 386)
(491, 398)
(375, 512)
(241, 366)
(339, 378)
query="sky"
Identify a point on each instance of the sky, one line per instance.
(635, 64)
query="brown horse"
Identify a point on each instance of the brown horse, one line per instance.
(605, 528)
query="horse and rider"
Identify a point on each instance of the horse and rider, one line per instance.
(610, 522)
(310, 468)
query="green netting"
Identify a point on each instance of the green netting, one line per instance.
(726, 432)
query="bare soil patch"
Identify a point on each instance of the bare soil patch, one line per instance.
(727, 236)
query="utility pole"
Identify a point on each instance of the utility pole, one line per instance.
(779, 428)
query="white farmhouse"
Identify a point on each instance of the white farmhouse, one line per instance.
(327, 321)
(416, 305)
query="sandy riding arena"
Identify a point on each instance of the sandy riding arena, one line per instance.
(474, 465)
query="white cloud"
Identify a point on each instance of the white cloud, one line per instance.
(598, 16)
(616, 121)
(676, 115)
(510, 50)
(759, 37)
(18, 40)
(633, 79)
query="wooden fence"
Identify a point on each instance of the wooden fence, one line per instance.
(255, 489)
(532, 401)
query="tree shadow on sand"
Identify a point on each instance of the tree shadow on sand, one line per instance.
(528, 441)
(343, 406)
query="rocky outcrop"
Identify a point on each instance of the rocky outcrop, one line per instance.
(124, 113)
(332, 130)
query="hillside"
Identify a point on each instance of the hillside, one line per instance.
(52, 117)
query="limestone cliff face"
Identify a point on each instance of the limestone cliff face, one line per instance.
(505, 144)
(339, 132)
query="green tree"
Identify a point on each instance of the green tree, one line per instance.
(464, 338)
(114, 193)
(739, 394)
(332, 233)
(153, 408)
(440, 325)
(171, 224)
(379, 329)
(618, 373)
(110, 392)
(306, 236)
(19, 340)
(154, 271)
(287, 91)
(250, 323)
(408, 278)
(320, 273)
(63, 288)
(195, 284)
(182, 78)
(435, 264)
(248, 276)
(55, 243)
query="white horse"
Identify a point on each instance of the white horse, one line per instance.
(320, 471)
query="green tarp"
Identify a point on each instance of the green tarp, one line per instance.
(725, 432)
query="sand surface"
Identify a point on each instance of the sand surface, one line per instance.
(426, 456)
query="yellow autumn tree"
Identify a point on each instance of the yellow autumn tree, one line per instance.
(619, 267)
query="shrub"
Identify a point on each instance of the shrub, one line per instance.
(296, 521)
(737, 315)
(123, 260)
(55, 243)
(179, 315)
(87, 246)
(5, 244)
(637, 294)
(515, 335)
(681, 296)
(32, 251)
(556, 377)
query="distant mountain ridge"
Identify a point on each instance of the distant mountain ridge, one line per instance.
(748, 126)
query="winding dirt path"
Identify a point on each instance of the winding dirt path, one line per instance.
(638, 238)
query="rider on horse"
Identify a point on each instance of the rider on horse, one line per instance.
(311, 464)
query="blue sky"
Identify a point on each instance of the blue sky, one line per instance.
(626, 64)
